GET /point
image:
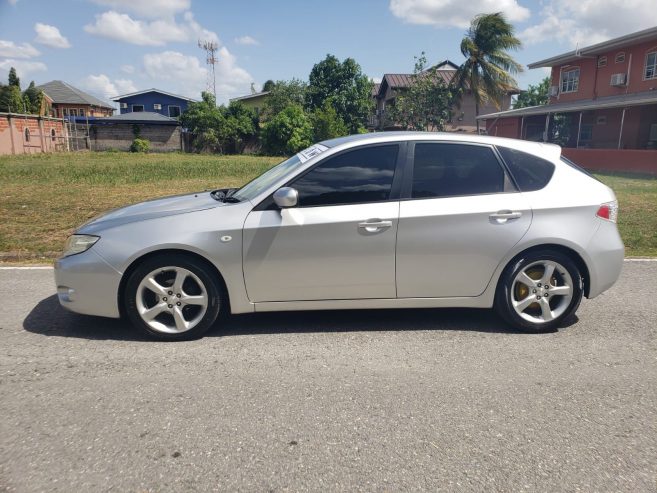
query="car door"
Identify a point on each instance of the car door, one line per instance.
(338, 242)
(459, 216)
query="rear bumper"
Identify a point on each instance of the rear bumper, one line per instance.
(87, 284)
(606, 252)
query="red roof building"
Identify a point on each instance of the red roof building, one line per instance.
(602, 105)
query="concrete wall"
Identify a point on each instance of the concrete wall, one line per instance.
(623, 160)
(45, 134)
(163, 138)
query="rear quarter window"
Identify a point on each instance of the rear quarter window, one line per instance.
(530, 172)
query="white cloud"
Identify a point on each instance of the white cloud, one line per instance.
(196, 32)
(455, 13)
(122, 27)
(586, 22)
(127, 69)
(185, 72)
(148, 8)
(106, 88)
(11, 49)
(246, 40)
(50, 36)
(190, 77)
(23, 67)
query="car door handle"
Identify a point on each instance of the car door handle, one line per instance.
(375, 225)
(502, 217)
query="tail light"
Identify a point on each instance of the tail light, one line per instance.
(608, 211)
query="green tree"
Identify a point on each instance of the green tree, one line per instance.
(33, 98)
(240, 125)
(487, 68)
(207, 123)
(268, 85)
(287, 132)
(11, 99)
(534, 95)
(13, 78)
(327, 124)
(284, 93)
(345, 87)
(425, 105)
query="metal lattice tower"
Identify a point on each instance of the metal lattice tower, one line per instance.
(210, 48)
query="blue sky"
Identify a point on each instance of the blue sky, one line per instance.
(111, 47)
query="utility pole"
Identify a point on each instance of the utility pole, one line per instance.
(210, 48)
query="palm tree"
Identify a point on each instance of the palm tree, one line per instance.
(487, 68)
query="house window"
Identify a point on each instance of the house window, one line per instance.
(27, 134)
(570, 80)
(651, 65)
(586, 133)
(157, 106)
(620, 57)
(602, 61)
(81, 112)
(64, 111)
(174, 111)
(136, 108)
(73, 112)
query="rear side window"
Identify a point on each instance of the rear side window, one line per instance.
(448, 170)
(354, 177)
(530, 172)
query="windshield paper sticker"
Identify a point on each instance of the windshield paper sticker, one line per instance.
(311, 152)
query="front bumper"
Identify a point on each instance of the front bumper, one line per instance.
(87, 284)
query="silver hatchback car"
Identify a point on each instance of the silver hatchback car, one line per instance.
(385, 220)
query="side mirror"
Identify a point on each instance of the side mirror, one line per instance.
(286, 197)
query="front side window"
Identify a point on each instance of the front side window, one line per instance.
(651, 65)
(570, 80)
(448, 170)
(137, 108)
(354, 177)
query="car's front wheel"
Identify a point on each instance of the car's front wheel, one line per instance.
(172, 297)
(539, 291)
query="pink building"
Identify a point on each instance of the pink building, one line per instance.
(602, 107)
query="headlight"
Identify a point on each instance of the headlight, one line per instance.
(79, 243)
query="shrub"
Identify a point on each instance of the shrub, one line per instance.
(140, 145)
(288, 132)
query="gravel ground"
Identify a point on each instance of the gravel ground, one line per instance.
(440, 400)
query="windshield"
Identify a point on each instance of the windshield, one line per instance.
(255, 187)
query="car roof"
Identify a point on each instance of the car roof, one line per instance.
(547, 150)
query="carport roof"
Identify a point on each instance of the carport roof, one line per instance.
(139, 117)
(620, 101)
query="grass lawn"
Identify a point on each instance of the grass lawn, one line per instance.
(43, 197)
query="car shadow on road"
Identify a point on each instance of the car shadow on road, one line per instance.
(50, 319)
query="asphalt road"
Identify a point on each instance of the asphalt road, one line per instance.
(440, 400)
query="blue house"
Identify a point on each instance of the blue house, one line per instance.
(154, 101)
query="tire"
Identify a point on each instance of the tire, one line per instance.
(173, 297)
(523, 284)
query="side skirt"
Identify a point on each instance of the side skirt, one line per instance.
(282, 306)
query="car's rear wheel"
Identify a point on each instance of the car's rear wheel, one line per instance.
(172, 297)
(539, 291)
